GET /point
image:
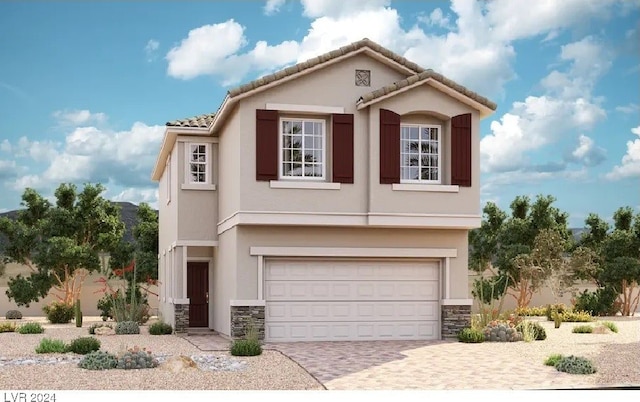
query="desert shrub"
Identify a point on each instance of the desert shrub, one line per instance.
(31, 328)
(611, 325)
(582, 329)
(98, 360)
(553, 360)
(160, 328)
(135, 358)
(531, 311)
(250, 346)
(602, 302)
(7, 327)
(92, 328)
(575, 365)
(105, 305)
(532, 330)
(51, 346)
(84, 345)
(58, 312)
(127, 328)
(470, 335)
(501, 331)
(13, 315)
(576, 316)
(560, 308)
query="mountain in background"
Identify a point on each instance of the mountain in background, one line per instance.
(128, 214)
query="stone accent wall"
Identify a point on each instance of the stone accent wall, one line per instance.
(454, 318)
(181, 317)
(241, 316)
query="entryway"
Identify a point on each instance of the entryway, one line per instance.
(198, 293)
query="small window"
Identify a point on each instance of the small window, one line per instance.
(302, 149)
(198, 166)
(420, 153)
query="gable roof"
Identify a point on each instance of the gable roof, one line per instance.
(202, 121)
(419, 79)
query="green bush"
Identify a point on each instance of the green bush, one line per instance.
(560, 308)
(602, 302)
(575, 365)
(531, 311)
(582, 329)
(160, 328)
(470, 335)
(535, 331)
(246, 347)
(31, 328)
(105, 305)
(58, 312)
(98, 360)
(51, 346)
(576, 316)
(84, 345)
(13, 315)
(137, 359)
(7, 327)
(611, 325)
(127, 328)
(553, 360)
(92, 328)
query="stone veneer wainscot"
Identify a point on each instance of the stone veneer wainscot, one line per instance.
(182, 317)
(454, 318)
(241, 316)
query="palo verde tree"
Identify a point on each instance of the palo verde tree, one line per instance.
(60, 242)
(509, 248)
(618, 256)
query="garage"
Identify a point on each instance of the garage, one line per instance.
(351, 299)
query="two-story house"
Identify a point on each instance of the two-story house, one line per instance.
(328, 201)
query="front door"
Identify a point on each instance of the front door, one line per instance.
(198, 293)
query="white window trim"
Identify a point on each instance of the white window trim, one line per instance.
(309, 185)
(324, 150)
(420, 127)
(443, 188)
(191, 185)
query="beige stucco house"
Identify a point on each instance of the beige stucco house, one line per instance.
(328, 201)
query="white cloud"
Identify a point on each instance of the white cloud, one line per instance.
(91, 154)
(587, 152)
(137, 195)
(630, 166)
(151, 49)
(205, 49)
(629, 108)
(566, 105)
(273, 6)
(437, 18)
(340, 8)
(5, 146)
(78, 117)
(7, 168)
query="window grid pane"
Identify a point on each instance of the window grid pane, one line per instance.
(302, 148)
(198, 163)
(419, 153)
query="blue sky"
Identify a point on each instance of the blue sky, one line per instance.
(86, 87)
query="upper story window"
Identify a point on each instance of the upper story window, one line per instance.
(420, 153)
(302, 149)
(198, 163)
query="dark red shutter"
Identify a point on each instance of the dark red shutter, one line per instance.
(342, 148)
(266, 145)
(389, 147)
(461, 150)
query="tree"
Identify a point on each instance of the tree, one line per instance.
(59, 243)
(506, 247)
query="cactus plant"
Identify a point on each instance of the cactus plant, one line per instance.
(13, 315)
(78, 312)
(501, 332)
(575, 365)
(98, 360)
(136, 358)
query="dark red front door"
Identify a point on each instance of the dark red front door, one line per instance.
(197, 292)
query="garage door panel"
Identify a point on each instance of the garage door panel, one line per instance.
(312, 300)
(350, 270)
(330, 331)
(350, 311)
(351, 290)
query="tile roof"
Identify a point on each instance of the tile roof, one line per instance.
(423, 76)
(203, 120)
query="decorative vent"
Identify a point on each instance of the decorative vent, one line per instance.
(363, 78)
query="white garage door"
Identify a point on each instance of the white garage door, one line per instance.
(315, 300)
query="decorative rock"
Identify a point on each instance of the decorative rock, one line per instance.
(178, 364)
(105, 331)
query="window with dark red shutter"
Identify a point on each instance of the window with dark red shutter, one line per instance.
(342, 148)
(389, 147)
(266, 145)
(461, 150)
